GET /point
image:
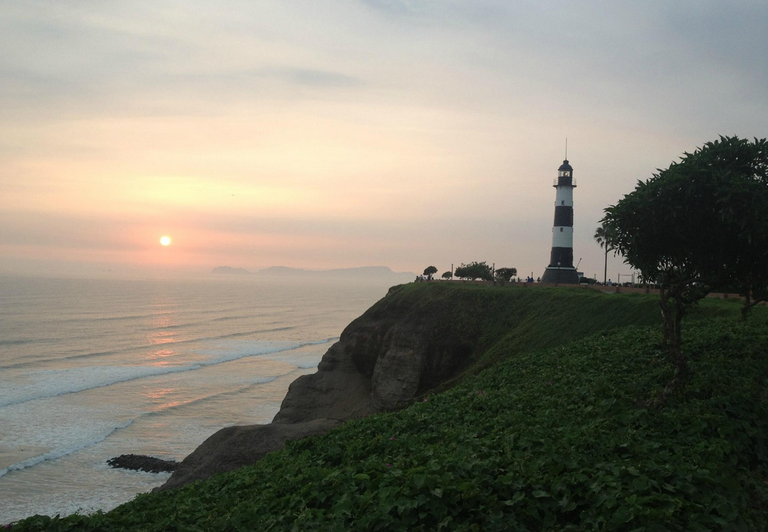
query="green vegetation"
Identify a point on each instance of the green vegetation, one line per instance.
(604, 236)
(475, 270)
(504, 275)
(696, 226)
(500, 322)
(429, 271)
(557, 435)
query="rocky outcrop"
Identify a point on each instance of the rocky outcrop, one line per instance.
(339, 390)
(233, 447)
(140, 462)
(398, 350)
(379, 364)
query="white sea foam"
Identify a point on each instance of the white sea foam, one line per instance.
(188, 343)
(44, 383)
(299, 360)
(62, 451)
(213, 396)
(229, 351)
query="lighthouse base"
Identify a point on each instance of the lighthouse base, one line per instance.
(555, 275)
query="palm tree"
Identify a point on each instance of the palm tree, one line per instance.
(604, 238)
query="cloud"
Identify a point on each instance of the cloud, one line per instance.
(430, 129)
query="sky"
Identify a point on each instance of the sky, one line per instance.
(329, 134)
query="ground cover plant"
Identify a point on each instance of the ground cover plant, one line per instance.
(556, 438)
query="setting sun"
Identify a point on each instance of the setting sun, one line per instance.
(165, 240)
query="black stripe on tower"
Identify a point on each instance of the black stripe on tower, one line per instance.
(563, 216)
(562, 255)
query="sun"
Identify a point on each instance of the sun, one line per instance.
(165, 240)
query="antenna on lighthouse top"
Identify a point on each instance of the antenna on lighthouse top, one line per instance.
(566, 148)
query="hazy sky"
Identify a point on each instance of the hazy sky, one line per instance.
(325, 134)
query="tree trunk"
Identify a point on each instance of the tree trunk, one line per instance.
(666, 315)
(677, 345)
(747, 307)
(672, 337)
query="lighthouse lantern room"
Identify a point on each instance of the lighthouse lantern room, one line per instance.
(560, 269)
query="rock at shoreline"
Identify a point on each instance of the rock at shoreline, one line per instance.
(138, 462)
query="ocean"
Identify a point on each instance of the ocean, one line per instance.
(92, 369)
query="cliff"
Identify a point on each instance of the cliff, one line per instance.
(418, 338)
(398, 350)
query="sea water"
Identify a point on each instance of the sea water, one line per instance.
(92, 369)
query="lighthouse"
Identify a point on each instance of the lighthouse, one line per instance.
(560, 269)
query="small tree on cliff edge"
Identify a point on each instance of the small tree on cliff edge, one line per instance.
(698, 225)
(503, 275)
(475, 270)
(447, 275)
(429, 271)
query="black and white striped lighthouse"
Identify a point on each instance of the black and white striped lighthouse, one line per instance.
(560, 269)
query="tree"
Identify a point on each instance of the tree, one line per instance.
(603, 237)
(503, 275)
(698, 225)
(754, 288)
(447, 275)
(749, 270)
(429, 271)
(475, 270)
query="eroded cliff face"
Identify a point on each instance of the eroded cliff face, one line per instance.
(398, 350)
(378, 365)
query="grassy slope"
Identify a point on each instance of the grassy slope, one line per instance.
(548, 438)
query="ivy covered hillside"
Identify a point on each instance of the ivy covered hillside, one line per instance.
(548, 428)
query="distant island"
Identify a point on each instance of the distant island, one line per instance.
(229, 270)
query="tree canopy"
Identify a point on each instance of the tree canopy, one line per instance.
(475, 270)
(504, 275)
(604, 238)
(447, 275)
(698, 225)
(429, 271)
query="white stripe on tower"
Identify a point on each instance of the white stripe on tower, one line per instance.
(562, 239)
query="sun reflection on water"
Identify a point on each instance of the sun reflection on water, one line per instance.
(158, 395)
(158, 358)
(160, 335)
